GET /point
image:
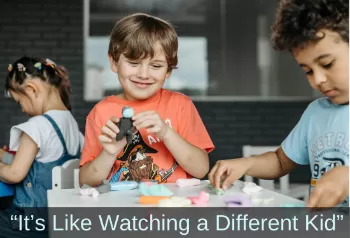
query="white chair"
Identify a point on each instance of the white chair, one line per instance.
(66, 176)
(293, 190)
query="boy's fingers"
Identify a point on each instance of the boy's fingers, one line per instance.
(148, 117)
(112, 126)
(229, 180)
(107, 131)
(212, 173)
(327, 201)
(217, 177)
(115, 119)
(145, 124)
(313, 199)
(141, 114)
(104, 138)
(153, 129)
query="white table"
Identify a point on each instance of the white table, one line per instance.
(130, 198)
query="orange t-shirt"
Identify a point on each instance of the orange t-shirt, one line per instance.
(147, 157)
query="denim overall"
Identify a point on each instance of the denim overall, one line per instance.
(31, 193)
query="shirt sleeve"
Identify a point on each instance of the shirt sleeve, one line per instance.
(295, 145)
(81, 141)
(192, 128)
(92, 146)
(32, 129)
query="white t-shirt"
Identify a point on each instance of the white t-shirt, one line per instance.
(44, 135)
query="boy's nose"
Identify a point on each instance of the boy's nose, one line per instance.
(142, 72)
(320, 78)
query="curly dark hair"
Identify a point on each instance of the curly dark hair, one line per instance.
(298, 21)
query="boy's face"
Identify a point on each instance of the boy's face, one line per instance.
(326, 64)
(141, 79)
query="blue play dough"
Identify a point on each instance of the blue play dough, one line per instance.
(123, 185)
(128, 112)
(154, 190)
(6, 189)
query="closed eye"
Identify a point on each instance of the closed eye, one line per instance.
(309, 72)
(133, 63)
(157, 66)
(328, 66)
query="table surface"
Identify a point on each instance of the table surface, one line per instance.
(130, 198)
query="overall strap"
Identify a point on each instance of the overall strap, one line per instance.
(58, 131)
(78, 153)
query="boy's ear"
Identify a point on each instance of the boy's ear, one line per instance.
(167, 75)
(113, 64)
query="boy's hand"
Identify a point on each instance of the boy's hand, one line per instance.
(108, 137)
(152, 121)
(225, 172)
(331, 189)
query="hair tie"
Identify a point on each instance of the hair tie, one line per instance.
(21, 67)
(7, 94)
(9, 68)
(50, 63)
(38, 65)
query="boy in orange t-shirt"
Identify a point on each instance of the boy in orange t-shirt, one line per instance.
(171, 140)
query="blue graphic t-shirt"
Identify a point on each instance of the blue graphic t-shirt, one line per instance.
(321, 139)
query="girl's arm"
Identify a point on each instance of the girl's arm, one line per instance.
(23, 160)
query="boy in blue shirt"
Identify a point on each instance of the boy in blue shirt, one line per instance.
(316, 32)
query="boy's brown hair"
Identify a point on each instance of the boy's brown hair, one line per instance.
(136, 36)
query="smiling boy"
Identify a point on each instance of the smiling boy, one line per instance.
(171, 140)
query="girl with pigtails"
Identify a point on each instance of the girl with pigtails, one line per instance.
(49, 138)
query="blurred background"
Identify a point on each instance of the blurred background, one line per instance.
(246, 93)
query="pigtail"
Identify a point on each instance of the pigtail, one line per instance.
(64, 85)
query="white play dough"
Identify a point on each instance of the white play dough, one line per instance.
(262, 201)
(89, 192)
(250, 188)
(187, 182)
(174, 202)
